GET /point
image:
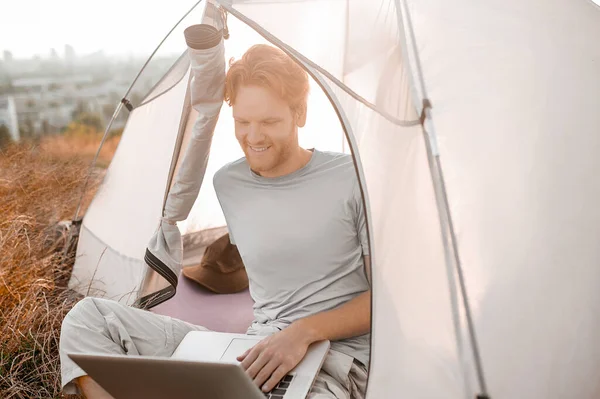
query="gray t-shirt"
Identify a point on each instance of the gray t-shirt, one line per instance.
(302, 238)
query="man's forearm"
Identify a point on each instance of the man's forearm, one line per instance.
(349, 320)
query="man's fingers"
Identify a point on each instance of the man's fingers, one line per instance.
(276, 376)
(265, 373)
(254, 368)
(250, 357)
(243, 355)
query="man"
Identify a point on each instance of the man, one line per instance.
(297, 219)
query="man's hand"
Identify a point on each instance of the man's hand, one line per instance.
(272, 358)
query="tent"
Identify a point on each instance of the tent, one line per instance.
(475, 130)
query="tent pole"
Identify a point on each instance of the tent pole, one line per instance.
(454, 302)
(125, 102)
(435, 169)
(461, 279)
(449, 237)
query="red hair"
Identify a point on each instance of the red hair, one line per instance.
(268, 67)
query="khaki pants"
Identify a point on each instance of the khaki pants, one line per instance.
(105, 326)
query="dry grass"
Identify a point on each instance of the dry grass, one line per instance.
(77, 144)
(39, 186)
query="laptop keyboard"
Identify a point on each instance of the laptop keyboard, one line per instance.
(279, 391)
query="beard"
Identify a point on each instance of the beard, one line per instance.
(274, 158)
(270, 160)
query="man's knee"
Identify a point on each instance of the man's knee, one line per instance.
(84, 314)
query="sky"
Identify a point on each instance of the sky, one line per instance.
(119, 27)
(29, 27)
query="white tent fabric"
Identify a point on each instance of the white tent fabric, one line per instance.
(132, 195)
(514, 124)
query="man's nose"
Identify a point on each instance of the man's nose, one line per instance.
(254, 133)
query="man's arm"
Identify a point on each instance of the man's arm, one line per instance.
(270, 360)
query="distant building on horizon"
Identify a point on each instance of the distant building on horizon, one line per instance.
(47, 95)
(8, 56)
(70, 54)
(45, 83)
(46, 104)
(54, 54)
(8, 116)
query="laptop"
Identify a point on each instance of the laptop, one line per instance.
(204, 365)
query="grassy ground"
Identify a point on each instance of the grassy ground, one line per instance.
(40, 185)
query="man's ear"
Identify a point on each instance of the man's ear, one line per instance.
(301, 116)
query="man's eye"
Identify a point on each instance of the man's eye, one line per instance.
(243, 123)
(268, 123)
